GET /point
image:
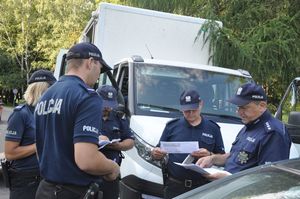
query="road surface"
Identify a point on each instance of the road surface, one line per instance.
(4, 192)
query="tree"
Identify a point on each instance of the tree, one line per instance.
(37, 29)
(262, 37)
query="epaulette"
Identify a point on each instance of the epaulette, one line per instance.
(19, 107)
(268, 127)
(172, 121)
(215, 123)
(90, 91)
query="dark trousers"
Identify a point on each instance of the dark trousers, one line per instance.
(110, 189)
(47, 190)
(174, 187)
(23, 185)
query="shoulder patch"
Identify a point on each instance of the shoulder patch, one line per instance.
(268, 127)
(90, 91)
(19, 107)
(214, 123)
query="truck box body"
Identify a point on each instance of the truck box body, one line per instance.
(123, 31)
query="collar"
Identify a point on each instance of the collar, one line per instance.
(260, 120)
(30, 107)
(187, 124)
(72, 77)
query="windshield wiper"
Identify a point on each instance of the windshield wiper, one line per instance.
(161, 108)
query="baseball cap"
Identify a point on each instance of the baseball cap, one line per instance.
(109, 96)
(189, 100)
(42, 76)
(247, 93)
(86, 50)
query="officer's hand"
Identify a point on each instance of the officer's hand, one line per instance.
(114, 174)
(205, 162)
(157, 153)
(202, 152)
(103, 137)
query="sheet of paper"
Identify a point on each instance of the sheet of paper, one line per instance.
(103, 143)
(201, 170)
(179, 147)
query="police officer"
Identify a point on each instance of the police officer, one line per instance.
(191, 127)
(67, 124)
(262, 140)
(115, 127)
(20, 139)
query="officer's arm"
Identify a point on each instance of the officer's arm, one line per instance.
(122, 146)
(215, 159)
(13, 150)
(92, 161)
(220, 159)
(274, 148)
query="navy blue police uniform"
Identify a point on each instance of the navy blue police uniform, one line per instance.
(114, 127)
(259, 142)
(24, 172)
(67, 113)
(208, 135)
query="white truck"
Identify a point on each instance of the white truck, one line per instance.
(150, 88)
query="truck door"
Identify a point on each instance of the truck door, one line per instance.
(289, 111)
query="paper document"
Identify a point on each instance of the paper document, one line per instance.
(179, 147)
(201, 170)
(103, 143)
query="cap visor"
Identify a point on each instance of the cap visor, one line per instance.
(188, 107)
(105, 67)
(239, 101)
(111, 104)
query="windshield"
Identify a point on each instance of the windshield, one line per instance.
(158, 88)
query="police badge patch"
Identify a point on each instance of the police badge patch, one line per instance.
(243, 157)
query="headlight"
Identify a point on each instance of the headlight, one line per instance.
(144, 150)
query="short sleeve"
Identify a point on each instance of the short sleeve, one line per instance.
(15, 127)
(126, 132)
(88, 120)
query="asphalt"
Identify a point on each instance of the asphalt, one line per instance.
(4, 192)
(3, 125)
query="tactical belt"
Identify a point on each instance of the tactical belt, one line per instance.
(187, 182)
(80, 190)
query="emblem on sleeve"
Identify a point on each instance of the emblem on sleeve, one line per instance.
(243, 157)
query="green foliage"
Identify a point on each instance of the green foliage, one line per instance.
(261, 36)
(33, 31)
(10, 74)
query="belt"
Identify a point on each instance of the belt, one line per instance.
(69, 187)
(187, 182)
